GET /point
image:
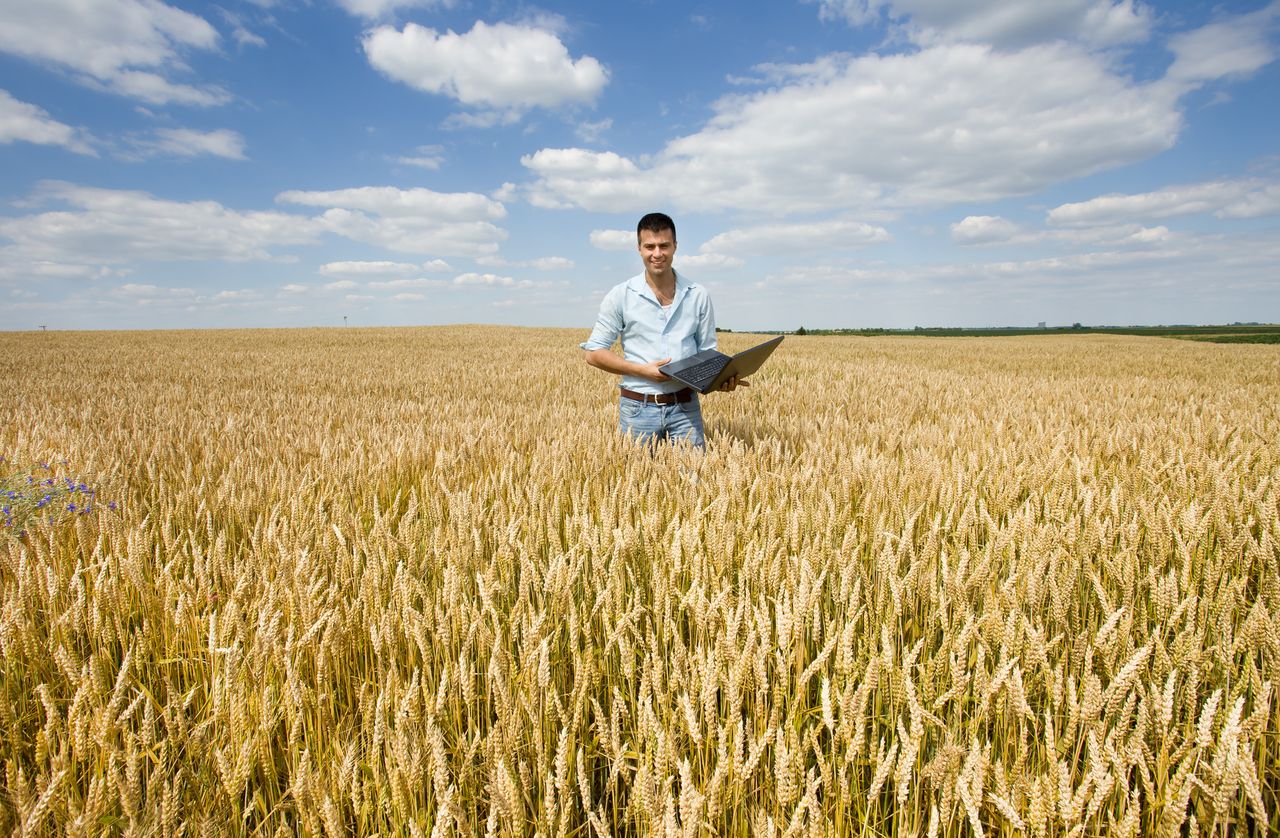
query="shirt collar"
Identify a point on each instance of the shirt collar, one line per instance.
(641, 286)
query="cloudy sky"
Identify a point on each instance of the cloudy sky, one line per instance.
(829, 163)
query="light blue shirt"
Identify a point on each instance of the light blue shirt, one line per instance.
(631, 311)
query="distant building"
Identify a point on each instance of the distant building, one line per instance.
(1041, 325)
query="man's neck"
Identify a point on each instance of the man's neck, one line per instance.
(664, 284)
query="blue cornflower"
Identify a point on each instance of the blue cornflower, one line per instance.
(71, 507)
(4, 510)
(86, 509)
(111, 505)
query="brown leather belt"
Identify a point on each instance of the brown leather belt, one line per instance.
(678, 397)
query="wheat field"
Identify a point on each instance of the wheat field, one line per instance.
(412, 582)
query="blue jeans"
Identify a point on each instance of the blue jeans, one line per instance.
(649, 422)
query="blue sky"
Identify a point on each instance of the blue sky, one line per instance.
(829, 163)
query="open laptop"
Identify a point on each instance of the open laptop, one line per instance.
(707, 370)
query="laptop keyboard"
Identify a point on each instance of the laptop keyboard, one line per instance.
(704, 372)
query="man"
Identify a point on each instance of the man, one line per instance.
(660, 315)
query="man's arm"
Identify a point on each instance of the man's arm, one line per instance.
(597, 349)
(609, 361)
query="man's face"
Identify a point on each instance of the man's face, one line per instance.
(657, 250)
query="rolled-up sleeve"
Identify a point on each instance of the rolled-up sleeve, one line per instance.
(609, 322)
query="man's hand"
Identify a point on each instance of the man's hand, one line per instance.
(733, 383)
(651, 371)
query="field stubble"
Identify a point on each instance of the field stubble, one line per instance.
(392, 581)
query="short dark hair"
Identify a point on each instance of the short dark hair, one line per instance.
(656, 222)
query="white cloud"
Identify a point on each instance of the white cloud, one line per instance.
(380, 268)
(618, 240)
(481, 119)
(425, 157)
(13, 265)
(245, 38)
(544, 263)
(188, 142)
(137, 289)
(409, 220)
(1133, 285)
(1234, 47)
(592, 132)
(294, 288)
(941, 125)
(479, 280)
(855, 12)
(1123, 236)
(984, 229)
(483, 279)
(341, 285)
(1165, 203)
(1244, 198)
(406, 234)
(129, 47)
(551, 263)
(709, 262)
(408, 297)
(379, 9)
(590, 179)
(391, 202)
(505, 193)
(148, 295)
(24, 122)
(773, 238)
(239, 31)
(112, 227)
(1004, 23)
(418, 282)
(241, 295)
(1265, 200)
(1148, 235)
(501, 68)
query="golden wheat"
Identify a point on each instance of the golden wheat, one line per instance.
(389, 581)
